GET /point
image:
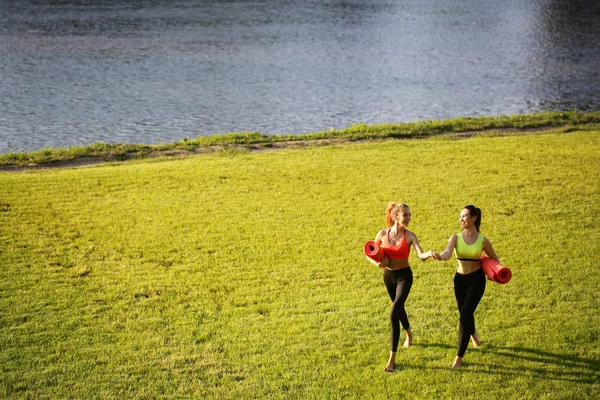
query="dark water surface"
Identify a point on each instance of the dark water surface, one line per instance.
(78, 72)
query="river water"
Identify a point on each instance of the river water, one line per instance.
(75, 72)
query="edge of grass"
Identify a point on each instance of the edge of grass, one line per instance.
(101, 151)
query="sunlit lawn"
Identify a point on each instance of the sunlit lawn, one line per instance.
(241, 275)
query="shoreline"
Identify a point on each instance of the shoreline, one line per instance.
(83, 162)
(102, 153)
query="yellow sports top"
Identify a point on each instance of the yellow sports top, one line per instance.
(465, 252)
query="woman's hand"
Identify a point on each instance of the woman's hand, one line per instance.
(385, 261)
(435, 255)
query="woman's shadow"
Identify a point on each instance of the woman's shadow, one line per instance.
(540, 363)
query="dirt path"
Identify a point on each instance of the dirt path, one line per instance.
(258, 147)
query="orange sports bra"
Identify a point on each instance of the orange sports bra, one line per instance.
(402, 250)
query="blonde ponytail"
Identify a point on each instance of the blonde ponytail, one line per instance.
(391, 213)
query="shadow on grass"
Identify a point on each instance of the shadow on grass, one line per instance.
(541, 364)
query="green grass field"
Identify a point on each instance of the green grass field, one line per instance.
(241, 275)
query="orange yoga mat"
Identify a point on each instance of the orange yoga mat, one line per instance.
(373, 250)
(495, 271)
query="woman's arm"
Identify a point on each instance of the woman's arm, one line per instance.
(385, 260)
(415, 242)
(489, 250)
(447, 253)
(381, 264)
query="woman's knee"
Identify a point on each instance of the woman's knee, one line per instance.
(397, 310)
(467, 320)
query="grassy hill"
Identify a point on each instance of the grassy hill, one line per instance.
(240, 274)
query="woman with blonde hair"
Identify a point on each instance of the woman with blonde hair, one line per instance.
(396, 240)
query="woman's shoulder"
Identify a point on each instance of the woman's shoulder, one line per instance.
(411, 237)
(381, 233)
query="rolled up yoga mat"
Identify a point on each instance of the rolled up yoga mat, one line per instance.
(495, 271)
(373, 250)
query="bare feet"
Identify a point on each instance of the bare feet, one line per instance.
(408, 340)
(457, 363)
(475, 340)
(391, 365)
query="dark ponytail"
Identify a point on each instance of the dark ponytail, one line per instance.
(474, 212)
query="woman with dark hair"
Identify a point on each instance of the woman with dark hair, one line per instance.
(469, 280)
(396, 240)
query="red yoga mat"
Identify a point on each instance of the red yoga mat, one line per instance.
(495, 271)
(373, 250)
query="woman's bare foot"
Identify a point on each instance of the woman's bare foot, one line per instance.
(457, 363)
(391, 365)
(475, 340)
(408, 340)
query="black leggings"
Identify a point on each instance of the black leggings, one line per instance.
(468, 290)
(398, 284)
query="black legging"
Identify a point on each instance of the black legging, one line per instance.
(468, 290)
(398, 284)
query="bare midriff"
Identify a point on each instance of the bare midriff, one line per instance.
(397, 263)
(468, 267)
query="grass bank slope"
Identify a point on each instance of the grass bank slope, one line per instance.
(241, 275)
(249, 141)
